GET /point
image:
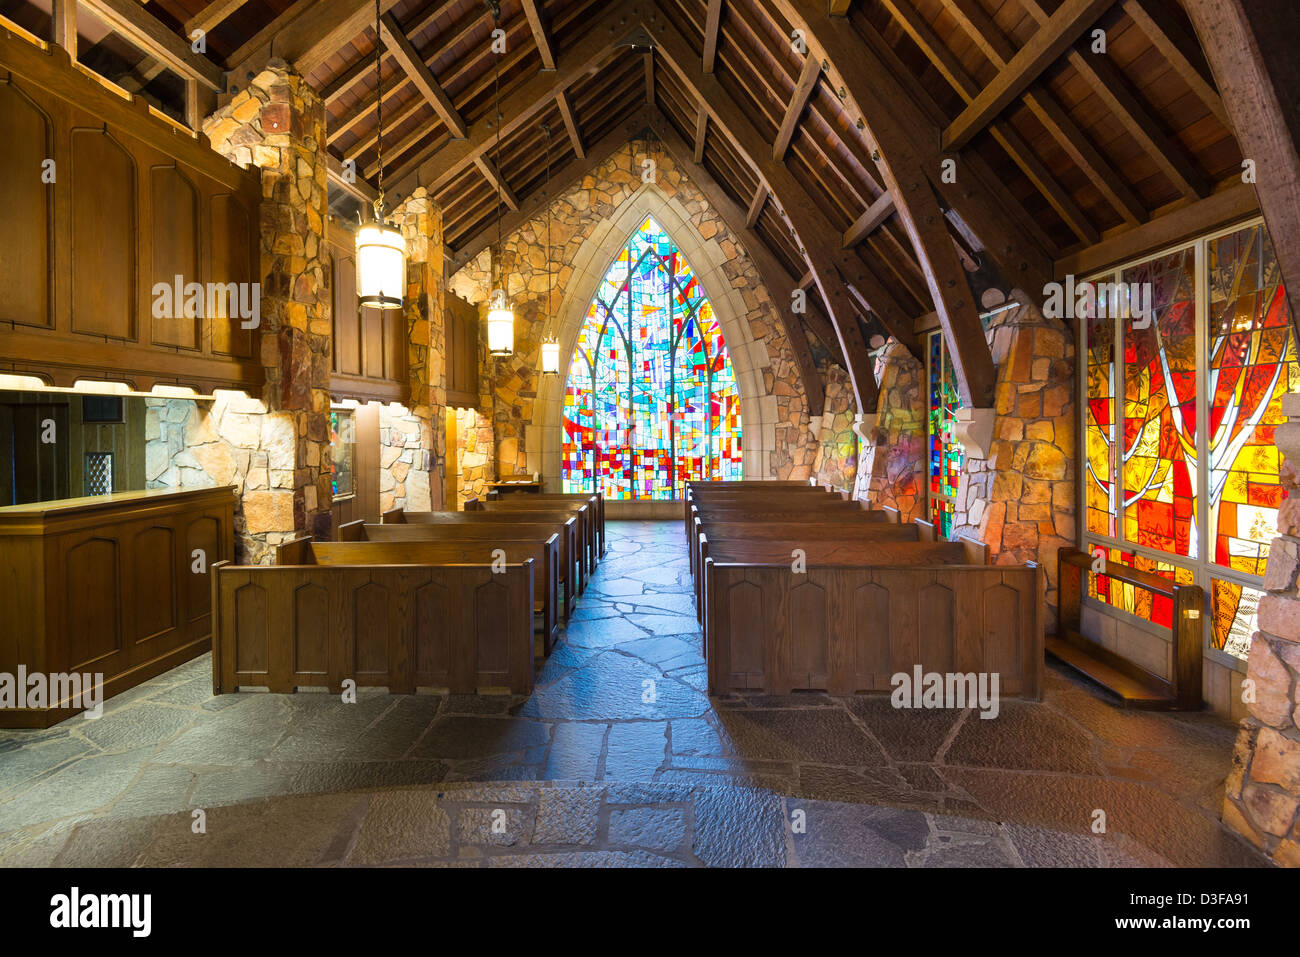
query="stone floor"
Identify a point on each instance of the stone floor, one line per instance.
(618, 758)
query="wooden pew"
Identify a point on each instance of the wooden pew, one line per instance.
(544, 555)
(596, 498)
(569, 578)
(459, 627)
(574, 545)
(850, 628)
(585, 510)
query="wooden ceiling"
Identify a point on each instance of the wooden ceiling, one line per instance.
(1059, 151)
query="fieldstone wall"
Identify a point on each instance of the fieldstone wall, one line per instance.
(475, 454)
(837, 454)
(582, 217)
(1020, 500)
(277, 123)
(893, 469)
(1262, 793)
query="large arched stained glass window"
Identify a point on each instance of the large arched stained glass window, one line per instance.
(651, 401)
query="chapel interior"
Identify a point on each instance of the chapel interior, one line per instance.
(649, 433)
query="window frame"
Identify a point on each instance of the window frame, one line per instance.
(1203, 568)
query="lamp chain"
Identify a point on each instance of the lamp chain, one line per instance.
(379, 113)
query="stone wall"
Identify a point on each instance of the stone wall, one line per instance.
(580, 213)
(1263, 789)
(836, 464)
(405, 461)
(475, 454)
(1019, 500)
(892, 470)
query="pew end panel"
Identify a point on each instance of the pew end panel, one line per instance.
(296, 551)
(354, 531)
(459, 627)
(394, 516)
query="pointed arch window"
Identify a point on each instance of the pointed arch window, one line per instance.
(651, 401)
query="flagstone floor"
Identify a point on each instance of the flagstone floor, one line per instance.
(592, 770)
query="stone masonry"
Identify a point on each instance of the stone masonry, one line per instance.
(892, 471)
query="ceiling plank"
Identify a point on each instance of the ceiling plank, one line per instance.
(498, 182)
(540, 33)
(870, 93)
(756, 206)
(145, 31)
(712, 18)
(1179, 49)
(870, 220)
(769, 268)
(419, 73)
(436, 164)
(214, 14)
(803, 91)
(1046, 46)
(701, 130)
(565, 105)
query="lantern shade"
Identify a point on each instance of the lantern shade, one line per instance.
(550, 357)
(381, 266)
(501, 328)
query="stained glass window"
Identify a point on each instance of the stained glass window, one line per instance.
(342, 451)
(945, 452)
(651, 401)
(1202, 387)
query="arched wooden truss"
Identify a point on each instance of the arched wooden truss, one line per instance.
(818, 128)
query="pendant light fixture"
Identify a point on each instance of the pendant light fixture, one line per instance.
(501, 320)
(381, 251)
(550, 347)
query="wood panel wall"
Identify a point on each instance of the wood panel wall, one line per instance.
(462, 353)
(131, 200)
(370, 345)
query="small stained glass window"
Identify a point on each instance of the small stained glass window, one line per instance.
(946, 454)
(343, 443)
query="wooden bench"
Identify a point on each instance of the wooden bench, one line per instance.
(568, 583)
(499, 553)
(462, 628)
(595, 498)
(585, 510)
(851, 628)
(571, 548)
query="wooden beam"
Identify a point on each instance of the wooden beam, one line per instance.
(540, 34)
(1169, 37)
(146, 32)
(803, 90)
(215, 13)
(1250, 46)
(839, 8)
(712, 19)
(1222, 209)
(1046, 46)
(756, 206)
(870, 220)
(498, 182)
(873, 95)
(650, 78)
(565, 105)
(323, 30)
(64, 26)
(418, 72)
(435, 165)
(253, 53)
(774, 276)
(359, 189)
(701, 130)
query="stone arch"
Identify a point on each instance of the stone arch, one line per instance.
(749, 357)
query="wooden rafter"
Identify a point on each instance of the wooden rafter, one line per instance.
(870, 220)
(769, 268)
(712, 18)
(64, 22)
(1168, 36)
(257, 49)
(986, 34)
(803, 90)
(565, 106)
(417, 71)
(650, 78)
(871, 94)
(756, 205)
(701, 130)
(541, 36)
(215, 13)
(839, 8)
(497, 181)
(148, 33)
(435, 165)
(354, 186)
(1046, 46)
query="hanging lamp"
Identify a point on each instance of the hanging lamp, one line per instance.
(381, 251)
(550, 347)
(501, 319)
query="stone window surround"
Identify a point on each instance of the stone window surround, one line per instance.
(758, 409)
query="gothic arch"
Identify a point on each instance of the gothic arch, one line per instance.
(749, 357)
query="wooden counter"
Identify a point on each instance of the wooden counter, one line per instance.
(108, 585)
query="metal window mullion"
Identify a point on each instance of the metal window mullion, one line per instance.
(1202, 293)
(1119, 370)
